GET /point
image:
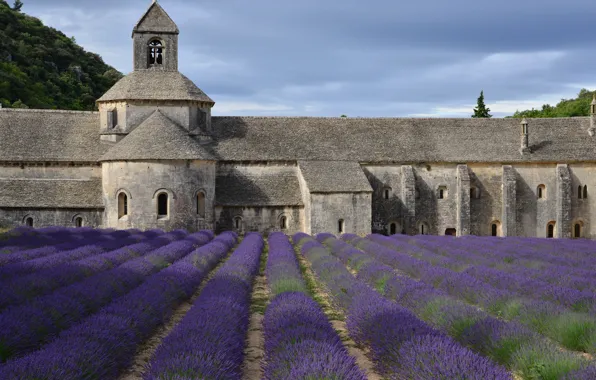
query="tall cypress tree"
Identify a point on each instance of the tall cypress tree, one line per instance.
(481, 110)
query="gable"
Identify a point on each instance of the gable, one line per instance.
(156, 20)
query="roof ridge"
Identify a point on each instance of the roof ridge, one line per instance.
(392, 118)
(41, 110)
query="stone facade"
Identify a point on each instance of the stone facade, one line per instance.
(154, 157)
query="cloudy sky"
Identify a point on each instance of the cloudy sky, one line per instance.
(360, 58)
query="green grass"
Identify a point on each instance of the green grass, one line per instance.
(544, 362)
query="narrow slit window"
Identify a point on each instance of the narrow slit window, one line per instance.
(585, 191)
(122, 205)
(237, 222)
(340, 226)
(283, 222)
(162, 205)
(387, 192)
(201, 204)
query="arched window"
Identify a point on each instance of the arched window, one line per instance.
(162, 205)
(495, 228)
(283, 222)
(386, 192)
(550, 230)
(423, 228)
(541, 192)
(340, 226)
(122, 205)
(578, 229)
(155, 52)
(238, 223)
(579, 192)
(29, 221)
(78, 222)
(201, 204)
(585, 191)
(392, 228)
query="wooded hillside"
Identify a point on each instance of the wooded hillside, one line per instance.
(40, 67)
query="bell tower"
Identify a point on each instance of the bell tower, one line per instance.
(155, 41)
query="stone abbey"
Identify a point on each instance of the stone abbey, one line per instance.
(154, 157)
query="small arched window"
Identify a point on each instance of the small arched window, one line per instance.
(340, 226)
(283, 222)
(578, 228)
(423, 229)
(29, 221)
(392, 228)
(387, 192)
(78, 222)
(541, 192)
(579, 192)
(155, 52)
(585, 191)
(474, 192)
(442, 192)
(550, 230)
(238, 223)
(162, 205)
(201, 204)
(122, 205)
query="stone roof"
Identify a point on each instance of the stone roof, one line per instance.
(238, 189)
(156, 19)
(43, 135)
(402, 140)
(155, 85)
(334, 177)
(46, 135)
(157, 138)
(46, 193)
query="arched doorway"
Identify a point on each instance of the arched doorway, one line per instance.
(450, 232)
(29, 221)
(495, 228)
(578, 229)
(78, 222)
(392, 228)
(550, 230)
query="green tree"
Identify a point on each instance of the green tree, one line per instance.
(344, 116)
(18, 4)
(19, 104)
(481, 110)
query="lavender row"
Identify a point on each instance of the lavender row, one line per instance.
(101, 346)
(56, 235)
(300, 342)
(518, 285)
(507, 343)
(68, 242)
(510, 258)
(28, 326)
(209, 341)
(93, 247)
(575, 331)
(19, 290)
(402, 346)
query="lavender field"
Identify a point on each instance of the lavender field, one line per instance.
(104, 304)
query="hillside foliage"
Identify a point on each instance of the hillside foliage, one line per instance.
(580, 106)
(40, 67)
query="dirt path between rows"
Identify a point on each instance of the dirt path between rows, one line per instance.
(147, 349)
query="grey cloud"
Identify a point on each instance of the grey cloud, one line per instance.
(382, 58)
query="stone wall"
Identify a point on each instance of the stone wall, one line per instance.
(259, 219)
(533, 213)
(14, 217)
(353, 208)
(143, 181)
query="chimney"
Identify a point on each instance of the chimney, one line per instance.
(524, 138)
(592, 130)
